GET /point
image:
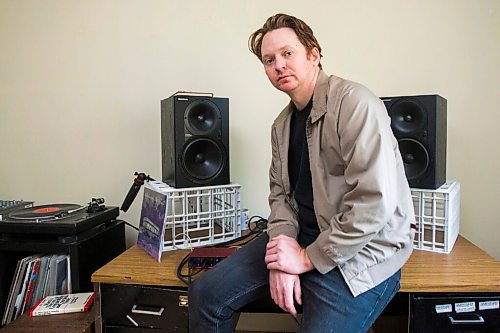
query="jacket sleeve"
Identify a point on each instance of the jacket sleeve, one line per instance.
(282, 219)
(368, 153)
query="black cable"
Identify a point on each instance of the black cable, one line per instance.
(260, 227)
(296, 320)
(130, 225)
(260, 224)
(181, 275)
(190, 275)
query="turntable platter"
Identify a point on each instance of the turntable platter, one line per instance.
(46, 212)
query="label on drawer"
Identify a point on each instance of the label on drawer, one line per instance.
(443, 308)
(488, 305)
(465, 307)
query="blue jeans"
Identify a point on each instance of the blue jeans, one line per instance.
(327, 303)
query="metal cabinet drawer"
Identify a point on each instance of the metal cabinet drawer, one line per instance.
(118, 315)
(455, 313)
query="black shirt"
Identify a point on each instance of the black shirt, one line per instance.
(300, 175)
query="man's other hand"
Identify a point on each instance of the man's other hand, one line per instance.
(284, 289)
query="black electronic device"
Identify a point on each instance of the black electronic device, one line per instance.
(57, 219)
(195, 140)
(419, 125)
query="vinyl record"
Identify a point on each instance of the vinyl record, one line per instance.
(45, 212)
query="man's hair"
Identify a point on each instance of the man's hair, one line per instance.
(301, 29)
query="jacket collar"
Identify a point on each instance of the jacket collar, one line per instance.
(319, 97)
(319, 100)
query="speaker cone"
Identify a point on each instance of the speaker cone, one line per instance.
(201, 117)
(202, 159)
(407, 117)
(415, 158)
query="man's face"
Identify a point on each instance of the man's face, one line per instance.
(286, 61)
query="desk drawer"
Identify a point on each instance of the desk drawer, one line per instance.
(117, 302)
(455, 314)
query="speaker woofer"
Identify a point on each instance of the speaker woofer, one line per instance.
(201, 117)
(415, 158)
(407, 117)
(202, 159)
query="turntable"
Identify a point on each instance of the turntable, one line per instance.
(57, 219)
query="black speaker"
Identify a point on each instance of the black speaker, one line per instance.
(195, 141)
(419, 125)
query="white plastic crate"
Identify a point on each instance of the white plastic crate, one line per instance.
(438, 217)
(200, 216)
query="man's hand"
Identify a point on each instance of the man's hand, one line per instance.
(284, 289)
(285, 254)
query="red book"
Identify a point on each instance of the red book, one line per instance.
(66, 303)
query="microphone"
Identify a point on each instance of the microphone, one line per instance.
(134, 189)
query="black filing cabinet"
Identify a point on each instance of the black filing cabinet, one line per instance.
(157, 309)
(455, 313)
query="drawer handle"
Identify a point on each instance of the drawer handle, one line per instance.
(183, 301)
(148, 309)
(461, 319)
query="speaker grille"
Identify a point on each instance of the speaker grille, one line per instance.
(415, 158)
(201, 117)
(202, 159)
(408, 117)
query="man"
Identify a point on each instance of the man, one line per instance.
(341, 211)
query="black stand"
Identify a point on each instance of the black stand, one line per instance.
(88, 251)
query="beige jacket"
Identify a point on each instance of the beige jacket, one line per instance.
(361, 196)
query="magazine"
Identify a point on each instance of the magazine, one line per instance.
(152, 222)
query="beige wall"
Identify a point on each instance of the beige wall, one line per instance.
(81, 83)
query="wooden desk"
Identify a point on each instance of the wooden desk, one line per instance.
(466, 269)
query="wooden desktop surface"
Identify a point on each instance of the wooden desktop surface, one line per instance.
(466, 269)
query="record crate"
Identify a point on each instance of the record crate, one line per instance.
(437, 213)
(200, 216)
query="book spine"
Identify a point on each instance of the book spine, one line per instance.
(31, 284)
(89, 303)
(33, 310)
(46, 312)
